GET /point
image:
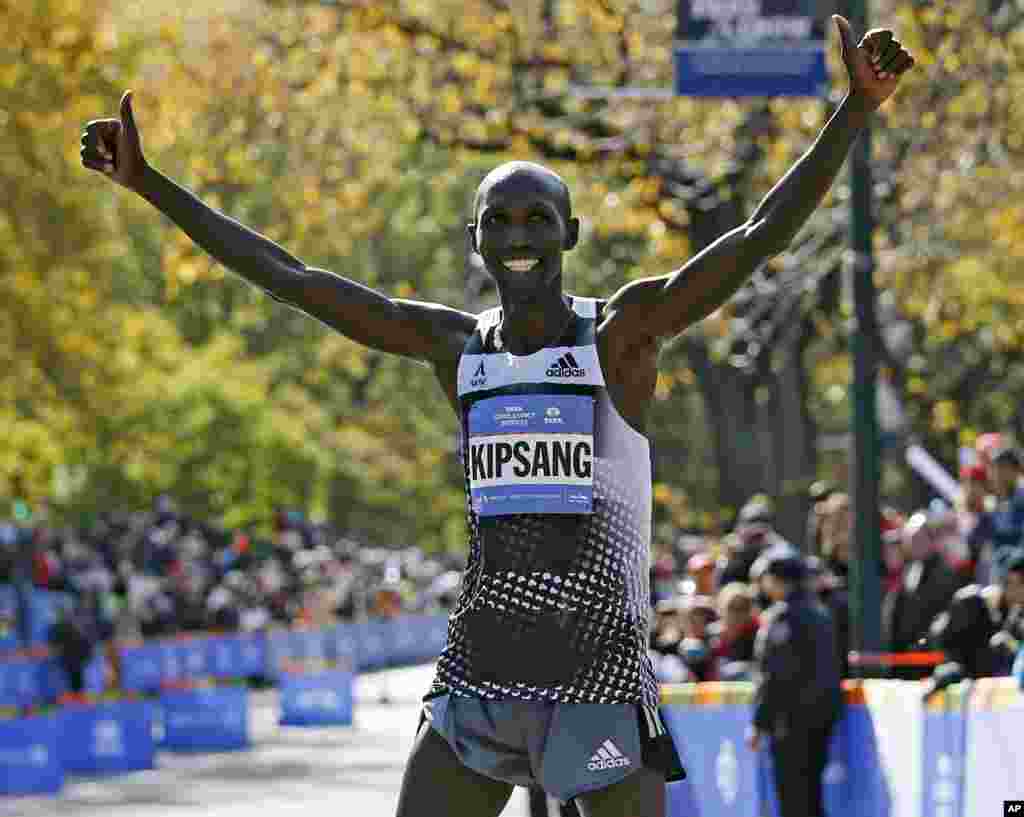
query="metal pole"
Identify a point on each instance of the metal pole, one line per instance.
(865, 572)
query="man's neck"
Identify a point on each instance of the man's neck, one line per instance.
(528, 327)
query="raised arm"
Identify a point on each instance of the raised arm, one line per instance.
(424, 331)
(650, 309)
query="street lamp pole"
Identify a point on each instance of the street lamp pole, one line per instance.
(865, 567)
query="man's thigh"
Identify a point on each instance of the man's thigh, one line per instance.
(437, 784)
(641, 794)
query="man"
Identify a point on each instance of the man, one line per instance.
(983, 629)
(545, 678)
(926, 588)
(1002, 528)
(799, 694)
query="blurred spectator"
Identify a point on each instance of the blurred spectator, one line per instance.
(74, 637)
(799, 697)
(927, 587)
(734, 634)
(983, 629)
(999, 534)
(701, 575)
(695, 647)
(752, 536)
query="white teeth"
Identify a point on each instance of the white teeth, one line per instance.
(522, 264)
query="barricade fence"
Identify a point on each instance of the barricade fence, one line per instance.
(32, 679)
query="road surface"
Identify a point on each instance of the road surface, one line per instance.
(337, 771)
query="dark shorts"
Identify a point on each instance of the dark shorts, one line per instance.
(565, 749)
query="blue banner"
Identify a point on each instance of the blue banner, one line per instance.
(722, 773)
(342, 646)
(316, 699)
(742, 48)
(214, 719)
(945, 734)
(142, 667)
(253, 652)
(29, 758)
(107, 738)
(20, 682)
(376, 643)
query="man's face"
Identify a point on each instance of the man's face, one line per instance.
(522, 228)
(1005, 475)
(1014, 591)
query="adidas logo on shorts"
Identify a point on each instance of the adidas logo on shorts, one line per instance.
(607, 756)
(565, 366)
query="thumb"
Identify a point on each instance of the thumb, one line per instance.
(846, 39)
(127, 117)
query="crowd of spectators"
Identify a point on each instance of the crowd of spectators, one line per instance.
(952, 578)
(156, 573)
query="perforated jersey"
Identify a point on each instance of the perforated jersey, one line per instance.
(554, 605)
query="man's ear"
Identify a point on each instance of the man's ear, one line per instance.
(471, 230)
(572, 233)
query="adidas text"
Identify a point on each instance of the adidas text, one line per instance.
(553, 372)
(614, 763)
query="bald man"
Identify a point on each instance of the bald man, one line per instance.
(545, 679)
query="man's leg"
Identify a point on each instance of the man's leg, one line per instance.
(642, 794)
(437, 784)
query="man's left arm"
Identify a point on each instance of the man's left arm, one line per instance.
(662, 307)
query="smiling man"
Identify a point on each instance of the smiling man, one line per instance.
(545, 678)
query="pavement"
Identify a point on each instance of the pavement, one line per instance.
(344, 771)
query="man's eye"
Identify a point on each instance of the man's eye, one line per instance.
(495, 218)
(539, 218)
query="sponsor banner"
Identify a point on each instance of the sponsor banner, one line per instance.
(740, 48)
(994, 770)
(945, 735)
(142, 666)
(44, 608)
(29, 759)
(107, 738)
(224, 656)
(214, 719)
(307, 645)
(376, 642)
(20, 682)
(341, 646)
(722, 774)
(900, 750)
(532, 453)
(253, 654)
(316, 699)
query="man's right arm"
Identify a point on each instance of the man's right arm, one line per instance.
(414, 329)
(428, 332)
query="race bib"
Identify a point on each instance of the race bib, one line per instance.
(532, 453)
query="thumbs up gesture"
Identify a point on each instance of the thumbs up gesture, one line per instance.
(113, 147)
(875, 65)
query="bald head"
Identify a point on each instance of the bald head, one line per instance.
(528, 175)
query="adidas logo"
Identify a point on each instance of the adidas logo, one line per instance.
(607, 756)
(565, 366)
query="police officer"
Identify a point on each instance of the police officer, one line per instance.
(799, 695)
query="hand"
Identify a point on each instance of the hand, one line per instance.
(113, 147)
(753, 739)
(875, 66)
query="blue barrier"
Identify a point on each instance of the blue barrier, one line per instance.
(316, 699)
(53, 680)
(107, 738)
(29, 758)
(212, 719)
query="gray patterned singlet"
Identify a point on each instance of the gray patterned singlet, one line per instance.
(554, 604)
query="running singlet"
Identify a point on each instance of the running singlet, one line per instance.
(555, 597)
